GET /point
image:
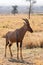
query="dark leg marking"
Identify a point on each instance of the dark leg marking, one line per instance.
(10, 49)
(21, 50)
(17, 50)
(6, 47)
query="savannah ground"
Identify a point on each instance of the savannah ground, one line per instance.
(32, 56)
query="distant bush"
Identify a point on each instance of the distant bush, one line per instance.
(31, 45)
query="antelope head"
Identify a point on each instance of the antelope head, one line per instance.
(28, 25)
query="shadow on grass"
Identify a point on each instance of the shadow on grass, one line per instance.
(20, 61)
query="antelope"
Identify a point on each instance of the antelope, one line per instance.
(17, 36)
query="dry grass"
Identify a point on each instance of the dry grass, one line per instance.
(31, 56)
(11, 22)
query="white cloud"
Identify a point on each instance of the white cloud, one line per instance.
(12, 2)
(39, 2)
(18, 2)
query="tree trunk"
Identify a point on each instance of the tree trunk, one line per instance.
(30, 10)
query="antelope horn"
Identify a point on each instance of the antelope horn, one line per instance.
(26, 20)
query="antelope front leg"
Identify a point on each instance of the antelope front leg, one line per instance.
(17, 51)
(21, 50)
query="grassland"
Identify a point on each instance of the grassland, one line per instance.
(31, 56)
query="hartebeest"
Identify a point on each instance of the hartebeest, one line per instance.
(17, 36)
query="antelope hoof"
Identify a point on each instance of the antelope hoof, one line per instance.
(11, 55)
(17, 58)
(5, 55)
(21, 58)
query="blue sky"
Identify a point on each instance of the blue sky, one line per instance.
(18, 2)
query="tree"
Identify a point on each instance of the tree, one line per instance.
(31, 4)
(14, 11)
